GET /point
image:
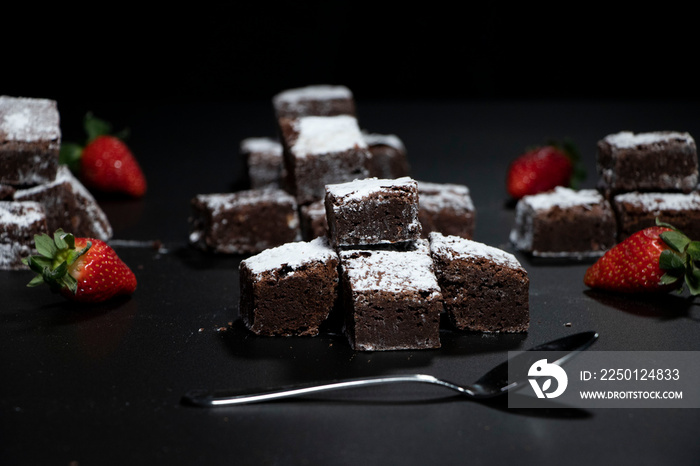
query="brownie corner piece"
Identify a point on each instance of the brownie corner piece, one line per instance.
(289, 290)
(388, 156)
(564, 223)
(446, 208)
(30, 140)
(19, 222)
(314, 100)
(390, 298)
(484, 288)
(372, 211)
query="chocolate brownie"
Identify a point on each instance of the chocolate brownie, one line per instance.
(388, 156)
(320, 151)
(243, 222)
(485, 289)
(289, 289)
(564, 223)
(30, 140)
(653, 161)
(19, 222)
(70, 206)
(446, 208)
(390, 298)
(263, 162)
(314, 100)
(372, 211)
(7, 192)
(636, 211)
(313, 220)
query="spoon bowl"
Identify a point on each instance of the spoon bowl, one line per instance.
(494, 383)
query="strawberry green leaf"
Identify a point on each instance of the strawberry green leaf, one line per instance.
(693, 250)
(45, 245)
(64, 240)
(670, 261)
(664, 224)
(69, 155)
(675, 240)
(95, 127)
(36, 281)
(667, 279)
(692, 279)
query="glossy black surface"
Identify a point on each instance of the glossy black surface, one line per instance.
(103, 385)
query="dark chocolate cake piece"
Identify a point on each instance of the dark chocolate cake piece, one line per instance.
(314, 100)
(263, 161)
(320, 151)
(372, 211)
(244, 222)
(289, 289)
(313, 220)
(70, 206)
(652, 161)
(30, 140)
(446, 208)
(636, 211)
(484, 289)
(564, 223)
(388, 156)
(7, 192)
(391, 299)
(19, 222)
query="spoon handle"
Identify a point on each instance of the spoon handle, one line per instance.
(207, 398)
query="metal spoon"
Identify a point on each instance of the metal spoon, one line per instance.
(493, 383)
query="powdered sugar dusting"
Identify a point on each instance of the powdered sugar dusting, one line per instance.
(390, 140)
(263, 144)
(327, 134)
(362, 188)
(661, 201)
(391, 271)
(561, 197)
(438, 196)
(292, 255)
(458, 247)
(21, 213)
(315, 92)
(220, 202)
(28, 119)
(628, 139)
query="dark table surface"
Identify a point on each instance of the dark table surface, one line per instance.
(103, 385)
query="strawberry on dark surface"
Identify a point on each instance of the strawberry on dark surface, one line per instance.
(86, 270)
(655, 259)
(105, 163)
(543, 168)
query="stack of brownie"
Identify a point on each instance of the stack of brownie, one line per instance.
(319, 142)
(37, 195)
(642, 176)
(389, 282)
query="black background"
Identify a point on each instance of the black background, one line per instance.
(245, 51)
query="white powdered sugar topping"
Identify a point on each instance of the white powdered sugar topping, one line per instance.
(390, 140)
(391, 271)
(661, 201)
(327, 134)
(561, 197)
(438, 196)
(28, 119)
(628, 139)
(359, 189)
(293, 255)
(314, 92)
(265, 145)
(21, 213)
(461, 248)
(220, 202)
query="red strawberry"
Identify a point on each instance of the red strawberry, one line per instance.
(105, 163)
(542, 169)
(655, 259)
(81, 269)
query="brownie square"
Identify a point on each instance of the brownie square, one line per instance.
(652, 161)
(243, 222)
(320, 151)
(391, 299)
(70, 206)
(313, 220)
(484, 289)
(446, 208)
(388, 158)
(636, 211)
(372, 211)
(30, 140)
(263, 162)
(289, 289)
(7, 192)
(19, 222)
(564, 223)
(314, 100)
